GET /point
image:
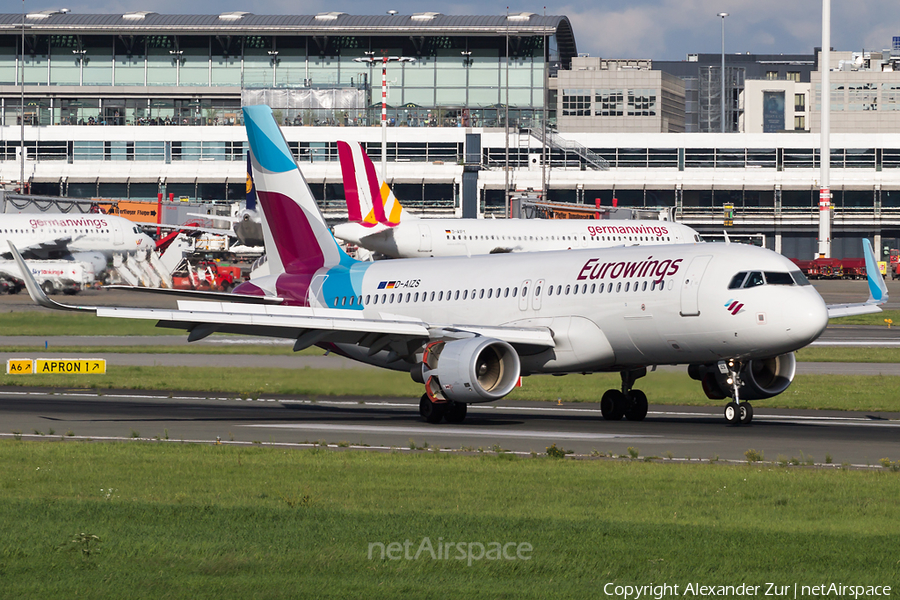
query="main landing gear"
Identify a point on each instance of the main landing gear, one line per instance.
(736, 412)
(448, 410)
(629, 403)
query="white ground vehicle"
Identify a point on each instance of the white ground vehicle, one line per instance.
(54, 276)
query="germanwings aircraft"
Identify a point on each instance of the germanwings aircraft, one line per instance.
(84, 237)
(468, 328)
(379, 223)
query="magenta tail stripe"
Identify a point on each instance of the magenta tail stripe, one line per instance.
(372, 179)
(348, 172)
(295, 240)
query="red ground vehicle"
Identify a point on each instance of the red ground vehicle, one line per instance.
(833, 268)
(208, 275)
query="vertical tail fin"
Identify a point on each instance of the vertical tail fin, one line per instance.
(297, 239)
(366, 193)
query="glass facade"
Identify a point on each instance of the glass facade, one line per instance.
(460, 79)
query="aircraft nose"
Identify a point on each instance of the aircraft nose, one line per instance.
(808, 319)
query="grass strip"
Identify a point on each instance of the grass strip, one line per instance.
(808, 354)
(138, 520)
(869, 319)
(51, 323)
(834, 392)
(244, 349)
(848, 354)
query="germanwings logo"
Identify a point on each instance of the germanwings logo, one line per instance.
(734, 307)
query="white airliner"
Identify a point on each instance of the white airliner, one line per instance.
(91, 238)
(379, 223)
(469, 327)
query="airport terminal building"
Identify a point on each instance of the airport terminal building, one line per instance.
(132, 105)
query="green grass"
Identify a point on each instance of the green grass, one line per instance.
(248, 349)
(808, 354)
(848, 354)
(837, 392)
(50, 323)
(870, 319)
(186, 521)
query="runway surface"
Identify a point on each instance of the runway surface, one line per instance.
(685, 432)
(682, 432)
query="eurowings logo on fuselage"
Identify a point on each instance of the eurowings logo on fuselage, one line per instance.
(734, 307)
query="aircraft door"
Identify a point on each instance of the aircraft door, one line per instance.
(538, 290)
(424, 238)
(690, 286)
(523, 294)
(118, 236)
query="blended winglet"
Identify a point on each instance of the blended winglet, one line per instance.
(35, 291)
(878, 292)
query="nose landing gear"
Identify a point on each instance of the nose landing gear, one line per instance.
(736, 412)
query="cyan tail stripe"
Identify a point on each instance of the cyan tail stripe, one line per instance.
(266, 142)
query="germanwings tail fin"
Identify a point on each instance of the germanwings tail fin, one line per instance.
(369, 199)
(296, 237)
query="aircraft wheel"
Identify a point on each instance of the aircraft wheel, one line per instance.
(733, 413)
(638, 407)
(456, 412)
(431, 412)
(746, 412)
(613, 405)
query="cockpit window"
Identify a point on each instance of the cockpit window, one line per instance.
(754, 279)
(775, 278)
(737, 280)
(800, 278)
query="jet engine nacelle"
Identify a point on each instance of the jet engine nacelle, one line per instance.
(761, 378)
(96, 259)
(471, 370)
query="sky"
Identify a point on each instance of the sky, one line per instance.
(654, 29)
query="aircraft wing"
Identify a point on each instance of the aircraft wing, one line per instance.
(878, 293)
(149, 225)
(306, 325)
(215, 217)
(198, 294)
(44, 250)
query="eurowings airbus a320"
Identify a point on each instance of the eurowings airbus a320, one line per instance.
(468, 328)
(379, 223)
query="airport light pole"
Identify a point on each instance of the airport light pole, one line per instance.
(384, 60)
(824, 140)
(22, 110)
(723, 15)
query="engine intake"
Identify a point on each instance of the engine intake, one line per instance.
(476, 369)
(761, 378)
